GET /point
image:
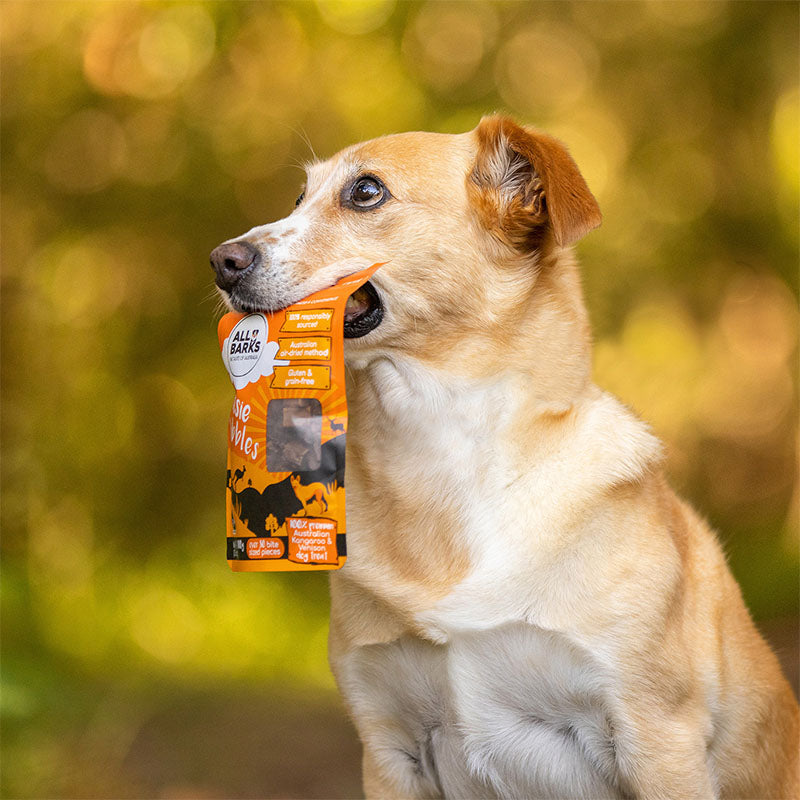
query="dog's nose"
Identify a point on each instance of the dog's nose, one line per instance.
(232, 260)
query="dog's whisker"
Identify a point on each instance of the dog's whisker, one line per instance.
(211, 295)
(302, 133)
(296, 164)
(220, 306)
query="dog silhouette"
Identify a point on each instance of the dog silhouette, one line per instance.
(306, 493)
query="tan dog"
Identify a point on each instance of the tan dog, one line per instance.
(528, 610)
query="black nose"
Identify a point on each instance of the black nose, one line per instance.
(232, 260)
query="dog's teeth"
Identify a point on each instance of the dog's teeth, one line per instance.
(357, 304)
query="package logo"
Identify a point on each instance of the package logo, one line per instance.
(247, 354)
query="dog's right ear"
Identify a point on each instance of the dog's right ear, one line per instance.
(523, 181)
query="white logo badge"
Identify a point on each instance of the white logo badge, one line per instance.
(247, 354)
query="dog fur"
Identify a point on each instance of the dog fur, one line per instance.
(527, 610)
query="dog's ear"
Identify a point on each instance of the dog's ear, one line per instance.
(522, 181)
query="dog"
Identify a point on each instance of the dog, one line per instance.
(527, 610)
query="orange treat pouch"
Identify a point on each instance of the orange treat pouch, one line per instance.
(285, 496)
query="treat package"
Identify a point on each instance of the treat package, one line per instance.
(285, 495)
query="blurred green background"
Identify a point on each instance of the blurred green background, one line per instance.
(136, 136)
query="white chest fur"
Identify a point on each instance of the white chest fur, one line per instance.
(490, 701)
(453, 460)
(515, 712)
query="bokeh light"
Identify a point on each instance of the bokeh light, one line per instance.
(446, 43)
(137, 135)
(545, 67)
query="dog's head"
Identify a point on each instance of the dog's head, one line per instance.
(467, 224)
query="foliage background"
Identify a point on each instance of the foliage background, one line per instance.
(138, 135)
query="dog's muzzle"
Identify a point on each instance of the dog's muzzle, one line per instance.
(231, 261)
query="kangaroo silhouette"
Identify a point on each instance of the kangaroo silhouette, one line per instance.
(238, 475)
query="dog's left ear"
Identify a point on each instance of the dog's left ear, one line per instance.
(523, 180)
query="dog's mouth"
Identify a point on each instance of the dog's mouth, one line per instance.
(363, 312)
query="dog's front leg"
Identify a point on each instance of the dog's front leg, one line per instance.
(377, 784)
(392, 775)
(663, 756)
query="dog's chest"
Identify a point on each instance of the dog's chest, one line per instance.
(512, 712)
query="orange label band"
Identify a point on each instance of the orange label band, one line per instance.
(307, 321)
(312, 540)
(305, 348)
(285, 487)
(305, 377)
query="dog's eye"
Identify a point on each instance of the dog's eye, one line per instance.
(368, 192)
(299, 199)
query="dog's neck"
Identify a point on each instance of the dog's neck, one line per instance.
(536, 352)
